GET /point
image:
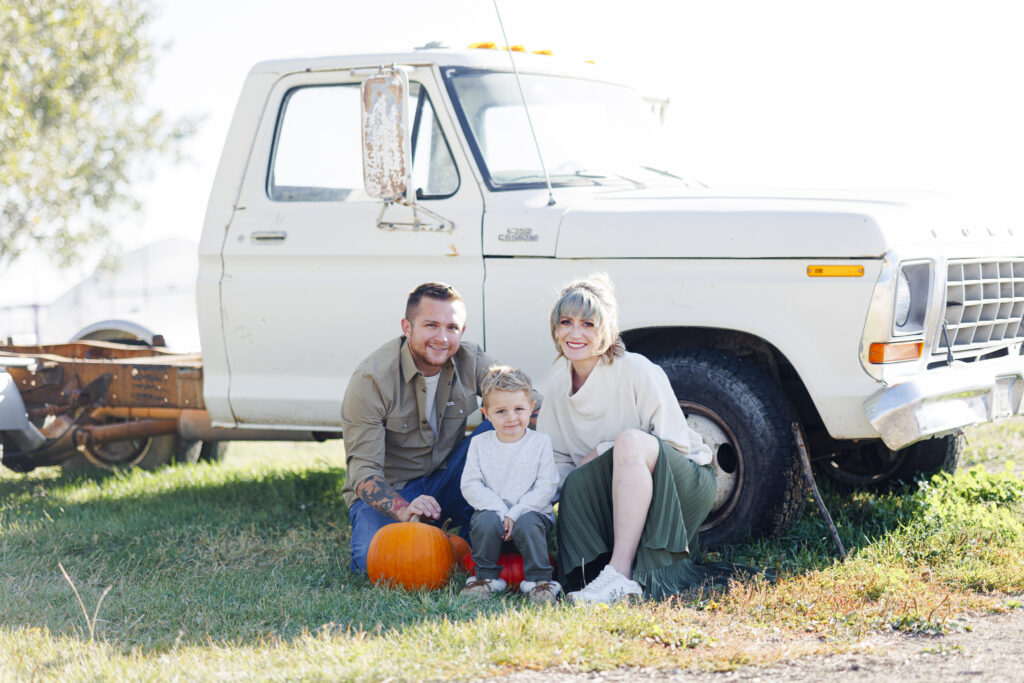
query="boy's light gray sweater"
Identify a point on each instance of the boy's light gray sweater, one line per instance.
(510, 478)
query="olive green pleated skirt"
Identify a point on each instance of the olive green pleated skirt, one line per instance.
(682, 497)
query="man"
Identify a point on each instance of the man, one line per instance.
(404, 420)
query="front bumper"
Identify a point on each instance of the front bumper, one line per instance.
(947, 399)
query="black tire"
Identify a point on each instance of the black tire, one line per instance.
(171, 449)
(148, 454)
(213, 451)
(747, 420)
(873, 465)
(925, 458)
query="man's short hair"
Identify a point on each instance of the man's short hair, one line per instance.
(505, 378)
(441, 291)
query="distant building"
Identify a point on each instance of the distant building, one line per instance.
(151, 291)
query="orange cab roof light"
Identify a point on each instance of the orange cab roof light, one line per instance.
(491, 45)
(894, 352)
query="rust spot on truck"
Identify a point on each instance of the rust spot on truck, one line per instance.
(138, 376)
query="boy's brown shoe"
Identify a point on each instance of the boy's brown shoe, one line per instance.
(482, 588)
(541, 591)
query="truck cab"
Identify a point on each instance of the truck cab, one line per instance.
(837, 300)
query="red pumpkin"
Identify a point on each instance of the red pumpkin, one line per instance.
(460, 548)
(511, 568)
(410, 554)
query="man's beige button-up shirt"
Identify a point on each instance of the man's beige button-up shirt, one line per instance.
(384, 417)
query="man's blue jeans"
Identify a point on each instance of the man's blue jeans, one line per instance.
(443, 484)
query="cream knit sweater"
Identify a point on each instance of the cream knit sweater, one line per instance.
(631, 392)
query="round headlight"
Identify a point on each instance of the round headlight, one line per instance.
(902, 310)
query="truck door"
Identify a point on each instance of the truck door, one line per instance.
(311, 285)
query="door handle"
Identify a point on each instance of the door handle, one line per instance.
(269, 236)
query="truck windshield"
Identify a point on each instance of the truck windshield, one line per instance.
(588, 131)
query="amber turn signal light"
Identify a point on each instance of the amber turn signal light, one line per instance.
(835, 271)
(894, 352)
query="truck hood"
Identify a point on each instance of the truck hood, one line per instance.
(775, 224)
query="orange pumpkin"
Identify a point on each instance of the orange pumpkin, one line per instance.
(460, 548)
(410, 554)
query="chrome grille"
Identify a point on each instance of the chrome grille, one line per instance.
(984, 305)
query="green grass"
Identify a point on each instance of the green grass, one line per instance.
(240, 570)
(996, 445)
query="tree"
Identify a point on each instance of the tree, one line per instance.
(73, 130)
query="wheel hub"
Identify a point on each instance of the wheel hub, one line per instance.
(725, 456)
(118, 454)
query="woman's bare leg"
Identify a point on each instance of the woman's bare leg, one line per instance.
(634, 458)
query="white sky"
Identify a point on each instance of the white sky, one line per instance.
(789, 93)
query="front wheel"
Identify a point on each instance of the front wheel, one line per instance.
(925, 458)
(872, 465)
(747, 421)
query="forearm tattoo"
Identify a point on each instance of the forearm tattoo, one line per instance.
(379, 495)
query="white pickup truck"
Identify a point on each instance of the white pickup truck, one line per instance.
(882, 324)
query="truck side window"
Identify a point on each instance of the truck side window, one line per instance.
(434, 174)
(317, 155)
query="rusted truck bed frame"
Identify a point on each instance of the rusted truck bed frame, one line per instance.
(82, 394)
(136, 377)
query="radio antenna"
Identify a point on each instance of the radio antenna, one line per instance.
(526, 108)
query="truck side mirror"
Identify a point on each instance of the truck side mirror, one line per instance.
(387, 152)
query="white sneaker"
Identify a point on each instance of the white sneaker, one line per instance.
(609, 586)
(541, 591)
(482, 588)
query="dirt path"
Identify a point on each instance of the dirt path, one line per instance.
(992, 651)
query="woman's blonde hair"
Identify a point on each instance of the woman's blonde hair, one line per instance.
(591, 298)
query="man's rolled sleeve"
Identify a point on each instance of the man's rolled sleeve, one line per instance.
(362, 419)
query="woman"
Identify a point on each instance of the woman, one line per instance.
(637, 481)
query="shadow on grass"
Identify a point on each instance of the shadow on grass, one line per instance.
(862, 518)
(195, 560)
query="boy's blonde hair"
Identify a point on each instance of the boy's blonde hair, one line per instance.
(505, 378)
(591, 298)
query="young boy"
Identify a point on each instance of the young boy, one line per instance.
(510, 479)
